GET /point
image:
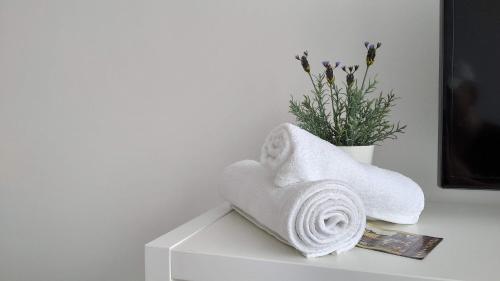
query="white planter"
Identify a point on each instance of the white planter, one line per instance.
(363, 154)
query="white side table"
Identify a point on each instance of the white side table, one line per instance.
(221, 245)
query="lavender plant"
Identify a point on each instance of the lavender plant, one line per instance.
(350, 115)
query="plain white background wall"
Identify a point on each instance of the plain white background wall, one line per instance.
(117, 116)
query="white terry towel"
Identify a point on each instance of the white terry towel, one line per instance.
(295, 155)
(316, 218)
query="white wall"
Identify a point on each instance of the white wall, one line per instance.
(117, 116)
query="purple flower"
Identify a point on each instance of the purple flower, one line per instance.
(350, 70)
(371, 53)
(329, 72)
(304, 62)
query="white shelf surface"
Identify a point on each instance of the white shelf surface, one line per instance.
(222, 245)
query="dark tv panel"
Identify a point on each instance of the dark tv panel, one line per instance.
(469, 145)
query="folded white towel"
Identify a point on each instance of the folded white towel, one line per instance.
(316, 218)
(295, 155)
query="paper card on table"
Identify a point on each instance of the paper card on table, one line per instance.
(398, 243)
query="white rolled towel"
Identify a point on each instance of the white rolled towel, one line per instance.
(295, 155)
(317, 218)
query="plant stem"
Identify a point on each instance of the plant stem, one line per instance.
(364, 78)
(312, 81)
(334, 113)
(347, 115)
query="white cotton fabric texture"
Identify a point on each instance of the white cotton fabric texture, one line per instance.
(316, 218)
(294, 155)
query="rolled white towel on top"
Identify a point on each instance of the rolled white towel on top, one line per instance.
(317, 218)
(294, 155)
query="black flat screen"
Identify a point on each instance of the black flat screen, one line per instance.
(470, 96)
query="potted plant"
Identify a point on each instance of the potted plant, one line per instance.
(348, 115)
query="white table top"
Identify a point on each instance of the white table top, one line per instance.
(231, 247)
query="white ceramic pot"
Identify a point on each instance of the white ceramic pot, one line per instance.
(363, 154)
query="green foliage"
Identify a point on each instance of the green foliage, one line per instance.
(349, 116)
